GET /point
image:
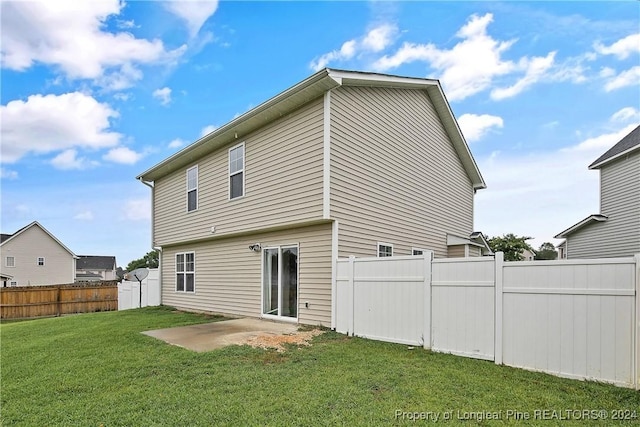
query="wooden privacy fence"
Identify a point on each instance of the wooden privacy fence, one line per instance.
(56, 300)
(572, 318)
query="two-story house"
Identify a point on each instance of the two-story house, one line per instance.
(615, 231)
(33, 256)
(251, 218)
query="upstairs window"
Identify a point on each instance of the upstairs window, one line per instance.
(236, 172)
(185, 272)
(192, 189)
(385, 250)
(10, 261)
(40, 261)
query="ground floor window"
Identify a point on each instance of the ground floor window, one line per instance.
(385, 249)
(185, 272)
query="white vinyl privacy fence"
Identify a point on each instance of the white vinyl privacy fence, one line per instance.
(129, 292)
(573, 318)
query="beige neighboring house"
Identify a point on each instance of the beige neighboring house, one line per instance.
(33, 256)
(251, 218)
(528, 255)
(615, 231)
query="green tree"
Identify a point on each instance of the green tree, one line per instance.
(150, 260)
(511, 245)
(547, 251)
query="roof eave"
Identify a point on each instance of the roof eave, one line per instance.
(598, 165)
(275, 107)
(579, 225)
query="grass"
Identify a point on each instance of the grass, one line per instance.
(98, 370)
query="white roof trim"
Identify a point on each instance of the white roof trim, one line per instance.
(586, 221)
(457, 240)
(612, 158)
(22, 230)
(305, 91)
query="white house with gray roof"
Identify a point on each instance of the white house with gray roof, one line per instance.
(615, 230)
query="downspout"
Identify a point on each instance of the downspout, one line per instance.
(153, 240)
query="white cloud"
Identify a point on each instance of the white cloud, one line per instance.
(71, 36)
(535, 70)
(137, 210)
(346, 52)
(86, 215)
(630, 77)
(379, 38)
(193, 12)
(622, 48)
(601, 143)
(177, 143)
(626, 114)
(121, 96)
(467, 68)
(8, 174)
(122, 155)
(375, 40)
(49, 123)
(207, 130)
(68, 160)
(163, 95)
(607, 72)
(541, 193)
(474, 126)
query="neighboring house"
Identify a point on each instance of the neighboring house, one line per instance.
(93, 267)
(615, 231)
(251, 218)
(528, 255)
(33, 256)
(472, 246)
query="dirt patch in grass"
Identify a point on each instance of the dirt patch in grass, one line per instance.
(279, 341)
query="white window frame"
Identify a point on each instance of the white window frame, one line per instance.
(229, 174)
(196, 189)
(185, 272)
(418, 249)
(38, 261)
(13, 261)
(383, 244)
(13, 284)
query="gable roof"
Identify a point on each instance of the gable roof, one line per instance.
(588, 220)
(95, 262)
(305, 91)
(37, 224)
(629, 143)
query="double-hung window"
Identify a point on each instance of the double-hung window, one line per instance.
(192, 189)
(41, 261)
(185, 272)
(236, 171)
(10, 261)
(384, 250)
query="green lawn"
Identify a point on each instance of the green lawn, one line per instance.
(97, 369)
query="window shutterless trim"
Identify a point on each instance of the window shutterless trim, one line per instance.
(383, 244)
(38, 261)
(422, 251)
(242, 171)
(185, 272)
(188, 190)
(13, 261)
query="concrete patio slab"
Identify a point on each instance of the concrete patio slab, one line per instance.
(211, 336)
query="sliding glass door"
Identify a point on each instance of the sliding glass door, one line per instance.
(280, 282)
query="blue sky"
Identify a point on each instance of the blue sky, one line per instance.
(94, 93)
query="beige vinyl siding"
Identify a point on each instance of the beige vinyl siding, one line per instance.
(474, 251)
(456, 251)
(620, 201)
(59, 266)
(228, 274)
(283, 183)
(395, 175)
